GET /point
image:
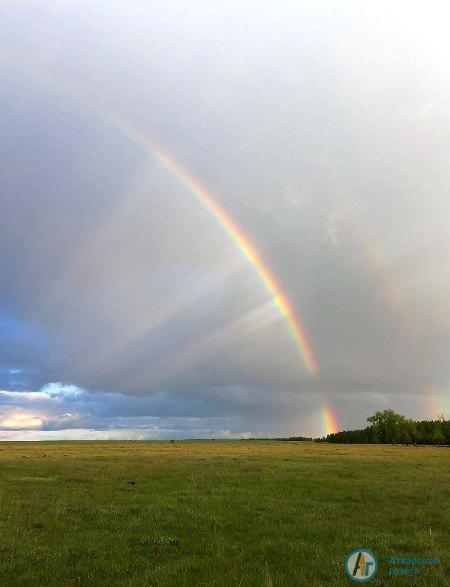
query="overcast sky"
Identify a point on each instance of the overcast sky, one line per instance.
(322, 128)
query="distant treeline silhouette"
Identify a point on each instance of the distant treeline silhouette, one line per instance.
(388, 427)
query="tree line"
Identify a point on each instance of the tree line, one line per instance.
(388, 427)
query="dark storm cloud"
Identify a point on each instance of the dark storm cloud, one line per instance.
(322, 131)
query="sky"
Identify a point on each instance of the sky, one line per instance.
(222, 219)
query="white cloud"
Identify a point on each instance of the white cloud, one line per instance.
(64, 390)
(73, 434)
(21, 421)
(27, 396)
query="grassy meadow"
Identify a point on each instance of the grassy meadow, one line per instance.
(218, 513)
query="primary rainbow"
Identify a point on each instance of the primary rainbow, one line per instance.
(330, 424)
(231, 228)
(203, 197)
(248, 251)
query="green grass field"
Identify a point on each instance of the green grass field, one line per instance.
(218, 513)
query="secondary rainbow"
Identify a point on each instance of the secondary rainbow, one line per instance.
(437, 403)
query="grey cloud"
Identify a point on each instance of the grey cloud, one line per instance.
(235, 411)
(322, 130)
